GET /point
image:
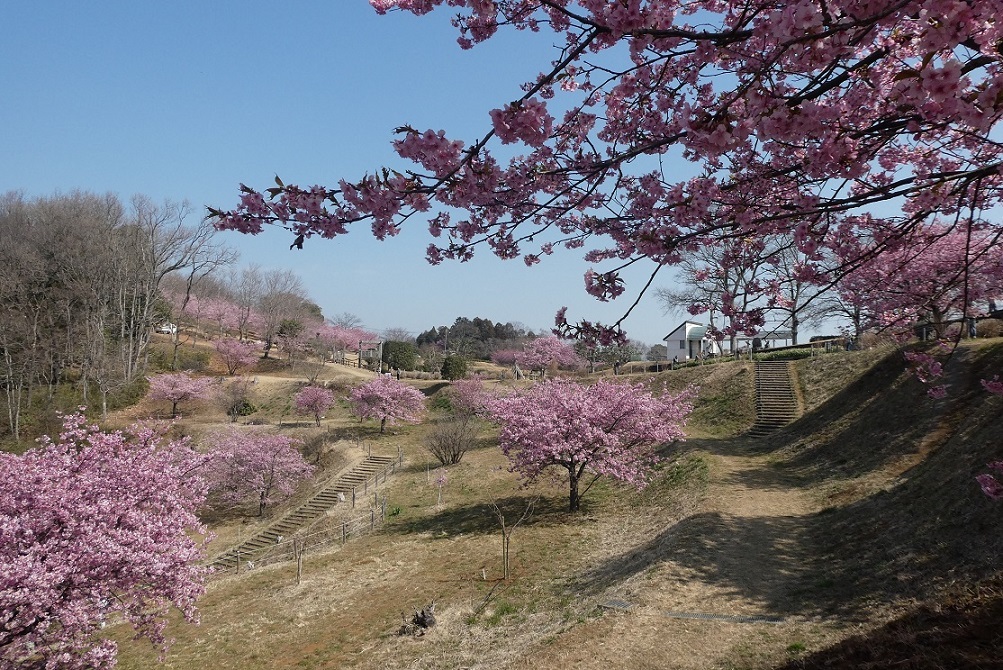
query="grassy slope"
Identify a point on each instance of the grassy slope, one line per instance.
(901, 522)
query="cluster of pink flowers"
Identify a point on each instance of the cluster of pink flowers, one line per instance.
(606, 428)
(388, 400)
(95, 527)
(800, 119)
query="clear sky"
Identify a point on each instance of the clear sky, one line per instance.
(186, 100)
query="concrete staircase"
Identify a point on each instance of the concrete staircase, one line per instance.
(776, 401)
(354, 482)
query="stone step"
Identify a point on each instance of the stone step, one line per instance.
(320, 503)
(776, 402)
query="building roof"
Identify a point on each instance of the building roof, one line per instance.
(769, 335)
(697, 331)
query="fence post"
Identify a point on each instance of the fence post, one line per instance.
(344, 533)
(353, 497)
(238, 561)
(365, 487)
(383, 512)
(298, 551)
(372, 519)
(400, 456)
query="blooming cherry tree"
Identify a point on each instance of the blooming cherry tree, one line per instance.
(388, 400)
(314, 400)
(178, 387)
(602, 429)
(829, 122)
(248, 467)
(236, 354)
(544, 352)
(934, 275)
(96, 527)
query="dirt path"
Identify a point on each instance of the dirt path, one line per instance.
(740, 553)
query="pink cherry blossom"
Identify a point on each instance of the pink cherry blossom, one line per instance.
(97, 527)
(178, 387)
(389, 400)
(857, 127)
(314, 400)
(601, 429)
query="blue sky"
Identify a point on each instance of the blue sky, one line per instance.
(186, 100)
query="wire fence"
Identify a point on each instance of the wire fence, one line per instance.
(293, 548)
(305, 537)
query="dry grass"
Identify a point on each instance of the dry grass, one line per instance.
(851, 524)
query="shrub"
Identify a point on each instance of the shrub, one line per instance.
(454, 367)
(990, 328)
(449, 440)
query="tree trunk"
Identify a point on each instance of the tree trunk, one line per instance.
(383, 424)
(574, 501)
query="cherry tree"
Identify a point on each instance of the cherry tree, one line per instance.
(178, 387)
(224, 314)
(508, 358)
(467, 397)
(236, 354)
(827, 121)
(543, 352)
(601, 429)
(314, 400)
(388, 400)
(249, 467)
(933, 276)
(96, 527)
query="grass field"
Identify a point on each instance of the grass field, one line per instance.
(859, 527)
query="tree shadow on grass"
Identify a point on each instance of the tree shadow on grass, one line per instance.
(482, 518)
(431, 390)
(758, 559)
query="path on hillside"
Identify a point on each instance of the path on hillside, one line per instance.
(743, 550)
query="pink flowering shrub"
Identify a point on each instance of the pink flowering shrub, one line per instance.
(588, 430)
(96, 527)
(544, 352)
(235, 354)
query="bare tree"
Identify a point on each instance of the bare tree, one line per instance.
(346, 320)
(397, 335)
(508, 529)
(282, 298)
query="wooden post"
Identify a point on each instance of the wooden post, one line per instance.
(353, 497)
(298, 550)
(383, 510)
(372, 519)
(238, 561)
(344, 533)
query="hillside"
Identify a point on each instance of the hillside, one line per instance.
(857, 532)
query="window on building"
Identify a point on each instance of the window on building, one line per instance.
(682, 344)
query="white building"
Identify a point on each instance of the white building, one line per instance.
(690, 341)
